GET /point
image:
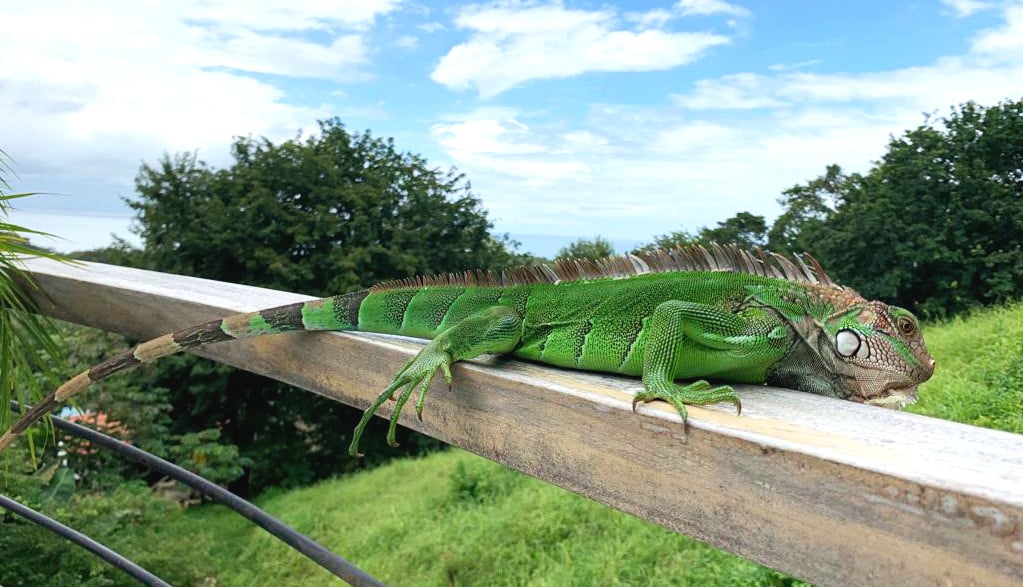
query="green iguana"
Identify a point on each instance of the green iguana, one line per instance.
(686, 313)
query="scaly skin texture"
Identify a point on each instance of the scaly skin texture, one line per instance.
(723, 315)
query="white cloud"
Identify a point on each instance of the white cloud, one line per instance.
(514, 43)
(293, 15)
(510, 149)
(709, 7)
(486, 136)
(797, 65)
(407, 42)
(964, 8)
(724, 145)
(993, 71)
(740, 91)
(657, 17)
(432, 27)
(1003, 43)
(88, 92)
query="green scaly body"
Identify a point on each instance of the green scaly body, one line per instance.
(689, 313)
(600, 325)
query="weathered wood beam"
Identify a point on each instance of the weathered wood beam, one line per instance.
(833, 492)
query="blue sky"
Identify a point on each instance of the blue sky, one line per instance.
(625, 119)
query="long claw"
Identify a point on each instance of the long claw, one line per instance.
(353, 448)
(392, 429)
(423, 389)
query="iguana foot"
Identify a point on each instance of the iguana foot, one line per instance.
(497, 329)
(418, 372)
(696, 393)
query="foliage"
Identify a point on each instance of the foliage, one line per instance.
(129, 519)
(594, 249)
(326, 214)
(473, 482)
(28, 353)
(979, 379)
(132, 410)
(670, 240)
(208, 458)
(806, 210)
(412, 522)
(322, 214)
(744, 229)
(120, 252)
(935, 225)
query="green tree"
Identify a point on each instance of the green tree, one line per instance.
(121, 252)
(596, 248)
(807, 209)
(745, 230)
(937, 224)
(670, 240)
(320, 214)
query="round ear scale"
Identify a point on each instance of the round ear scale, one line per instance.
(847, 342)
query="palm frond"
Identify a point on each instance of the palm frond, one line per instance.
(29, 352)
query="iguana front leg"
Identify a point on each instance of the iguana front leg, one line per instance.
(497, 329)
(672, 324)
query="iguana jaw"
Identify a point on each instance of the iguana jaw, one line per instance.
(894, 398)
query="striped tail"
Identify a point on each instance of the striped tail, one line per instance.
(339, 312)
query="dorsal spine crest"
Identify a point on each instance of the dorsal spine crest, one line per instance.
(724, 258)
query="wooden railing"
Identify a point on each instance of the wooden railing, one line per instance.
(832, 492)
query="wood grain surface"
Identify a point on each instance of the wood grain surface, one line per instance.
(836, 493)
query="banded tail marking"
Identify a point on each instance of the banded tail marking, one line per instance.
(337, 313)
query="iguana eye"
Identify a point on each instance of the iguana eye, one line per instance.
(906, 326)
(847, 342)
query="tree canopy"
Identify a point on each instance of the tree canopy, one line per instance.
(744, 229)
(326, 213)
(936, 224)
(582, 248)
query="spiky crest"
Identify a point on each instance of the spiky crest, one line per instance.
(727, 258)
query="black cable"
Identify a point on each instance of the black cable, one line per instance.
(293, 538)
(115, 559)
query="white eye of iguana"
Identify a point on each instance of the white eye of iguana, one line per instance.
(847, 342)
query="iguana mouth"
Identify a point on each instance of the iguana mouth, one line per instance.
(894, 398)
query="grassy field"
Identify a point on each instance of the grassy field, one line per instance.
(456, 519)
(979, 377)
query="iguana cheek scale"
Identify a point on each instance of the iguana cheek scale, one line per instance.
(688, 313)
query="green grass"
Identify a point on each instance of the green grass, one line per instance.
(979, 377)
(456, 519)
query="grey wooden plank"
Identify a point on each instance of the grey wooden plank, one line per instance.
(833, 492)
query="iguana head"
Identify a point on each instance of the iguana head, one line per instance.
(880, 353)
(864, 351)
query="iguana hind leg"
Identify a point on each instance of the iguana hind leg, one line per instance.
(672, 324)
(497, 329)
